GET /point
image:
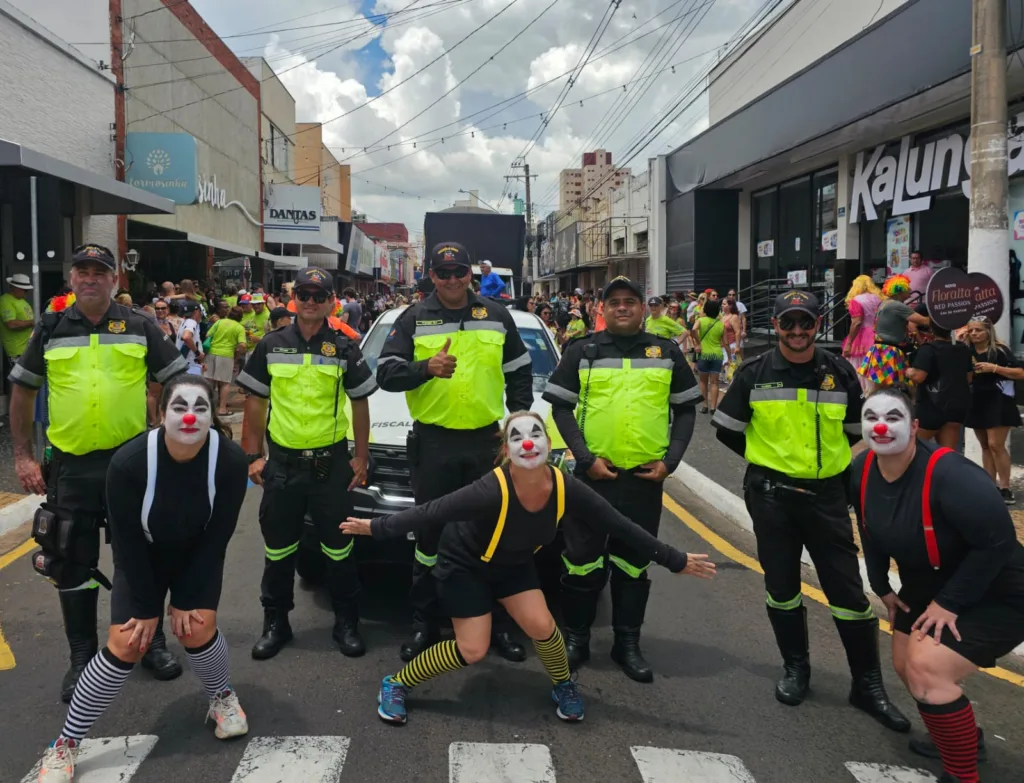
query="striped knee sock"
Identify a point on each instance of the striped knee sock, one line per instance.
(955, 734)
(551, 652)
(99, 684)
(437, 659)
(210, 663)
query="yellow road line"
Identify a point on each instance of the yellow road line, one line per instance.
(731, 552)
(14, 554)
(6, 656)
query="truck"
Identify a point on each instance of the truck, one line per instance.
(488, 236)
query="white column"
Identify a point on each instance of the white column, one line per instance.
(848, 241)
(743, 236)
(657, 237)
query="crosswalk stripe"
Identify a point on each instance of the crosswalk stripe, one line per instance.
(486, 762)
(106, 759)
(883, 773)
(665, 765)
(306, 759)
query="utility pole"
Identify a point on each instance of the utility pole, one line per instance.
(989, 242)
(529, 211)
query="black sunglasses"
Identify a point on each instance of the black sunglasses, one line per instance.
(448, 272)
(317, 296)
(789, 322)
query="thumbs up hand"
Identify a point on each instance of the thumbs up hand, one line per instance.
(441, 365)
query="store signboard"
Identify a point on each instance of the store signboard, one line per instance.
(163, 163)
(291, 213)
(909, 178)
(383, 260)
(565, 248)
(955, 297)
(897, 244)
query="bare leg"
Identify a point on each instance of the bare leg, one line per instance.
(987, 460)
(1000, 456)
(949, 435)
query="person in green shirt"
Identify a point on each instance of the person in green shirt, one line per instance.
(260, 314)
(227, 343)
(16, 317)
(660, 324)
(709, 336)
(576, 327)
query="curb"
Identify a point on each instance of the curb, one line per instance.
(19, 512)
(734, 509)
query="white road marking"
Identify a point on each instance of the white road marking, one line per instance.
(883, 773)
(665, 765)
(486, 762)
(106, 759)
(297, 759)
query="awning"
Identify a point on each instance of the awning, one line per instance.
(107, 196)
(220, 244)
(285, 262)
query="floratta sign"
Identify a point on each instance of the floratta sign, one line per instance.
(909, 180)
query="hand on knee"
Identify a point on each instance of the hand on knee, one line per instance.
(473, 652)
(117, 643)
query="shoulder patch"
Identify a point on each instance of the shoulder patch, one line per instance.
(117, 327)
(479, 312)
(328, 349)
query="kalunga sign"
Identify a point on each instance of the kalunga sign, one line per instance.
(908, 182)
(955, 297)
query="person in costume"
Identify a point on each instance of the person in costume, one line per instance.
(507, 516)
(885, 363)
(173, 498)
(961, 604)
(862, 301)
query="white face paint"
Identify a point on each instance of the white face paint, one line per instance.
(527, 444)
(887, 424)
(189, 415)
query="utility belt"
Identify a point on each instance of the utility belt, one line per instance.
(766, 481)
(318, 461)
(58, 530)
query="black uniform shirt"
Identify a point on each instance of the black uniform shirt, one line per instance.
(979, 555)
(478, 507)
(398, 371)
(162, 358)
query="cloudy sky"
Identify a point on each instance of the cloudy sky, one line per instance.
(356, 66)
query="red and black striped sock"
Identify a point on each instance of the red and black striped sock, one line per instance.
(955, 734)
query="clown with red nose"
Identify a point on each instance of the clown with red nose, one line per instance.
(189, 416)
(887, 424)
(528, 445)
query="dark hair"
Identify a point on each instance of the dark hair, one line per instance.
(196, 380)
(900, 392)
(235, 313)
(349, 292)
(938, 331)
(712, 307)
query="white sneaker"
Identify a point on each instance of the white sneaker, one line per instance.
(58, 765)
(228, 714)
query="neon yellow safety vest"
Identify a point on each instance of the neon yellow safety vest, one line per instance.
(798, 432)
(305, 388)
(474, 396)
(624, 409)
(96, 391)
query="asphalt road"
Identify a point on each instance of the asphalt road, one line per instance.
(709, 643)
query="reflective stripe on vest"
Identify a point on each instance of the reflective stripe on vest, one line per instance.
(499, 526)
(798, 432)
(96, 386)
(151, 463)
(474, 396)
(305, 390)
(626, 403)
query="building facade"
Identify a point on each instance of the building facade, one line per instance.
(590, 184)
(317, 165)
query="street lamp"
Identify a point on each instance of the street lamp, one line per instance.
(130, 260)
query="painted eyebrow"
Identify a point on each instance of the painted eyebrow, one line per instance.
(536, 429)
(179, 400)
(514, 433)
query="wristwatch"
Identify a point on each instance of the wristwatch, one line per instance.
(253, 457)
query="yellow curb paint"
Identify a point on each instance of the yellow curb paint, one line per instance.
(731, 552)
(14, 554)
(6, 656)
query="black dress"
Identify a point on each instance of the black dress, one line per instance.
(991, 406)
(945, 395)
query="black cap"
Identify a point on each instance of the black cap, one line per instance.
(186, 306)
(622, 282)
(449, 254)
(313, 276)
(803, 301)
(87, 253)
(655, 301)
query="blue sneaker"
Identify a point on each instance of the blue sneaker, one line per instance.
(392, 700)
(570, 705)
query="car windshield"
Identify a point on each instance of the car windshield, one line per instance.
(542, 354)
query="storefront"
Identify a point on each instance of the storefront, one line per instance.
(295, 228)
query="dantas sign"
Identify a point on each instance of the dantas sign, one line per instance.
(908, 179)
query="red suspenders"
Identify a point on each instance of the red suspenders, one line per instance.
(926, 506)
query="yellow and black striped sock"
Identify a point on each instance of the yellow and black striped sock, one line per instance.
(551, 652)
(437, 659)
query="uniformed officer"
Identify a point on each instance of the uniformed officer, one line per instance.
(793, 413)
(94, 357)
(611, 397)
(454, 354)
(301, 371)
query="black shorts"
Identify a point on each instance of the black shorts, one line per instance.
(992, 409)
(988, 630)
(122, 605)
(467, 592)
(932, 417)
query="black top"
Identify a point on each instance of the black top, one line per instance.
(357, 380)
(162, 358)
(184, 531)
(947, 365)
(397, 371)
(988, 382)
(563, 389)
(478, 507)
(979, 555)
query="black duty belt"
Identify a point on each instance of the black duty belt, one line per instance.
(305, 459)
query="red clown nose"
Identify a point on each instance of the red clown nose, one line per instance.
(527, 445)
(188, 419)
(881, 428)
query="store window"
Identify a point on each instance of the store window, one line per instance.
(764, 208)
(795, 224)
(826, 224)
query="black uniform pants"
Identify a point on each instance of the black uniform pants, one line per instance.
(291, 488)
(79, 484)
(442, 462)
(786, 521)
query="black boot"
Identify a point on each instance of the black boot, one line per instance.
(346, 631)
(860, 638)
(79, 610)
(159, 660)
(924, 746)
(507, 647)
(420, 640)
(629, 604)
(579, 608)
(277, 632)
(790, 627)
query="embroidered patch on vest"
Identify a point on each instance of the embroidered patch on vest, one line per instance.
(479, 312)
(653, 352)
(116, 327)
(828, 383)
(328, 349)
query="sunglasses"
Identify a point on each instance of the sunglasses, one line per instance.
(447, 273)
(158, 309)
(804, 322)
(317, 296)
